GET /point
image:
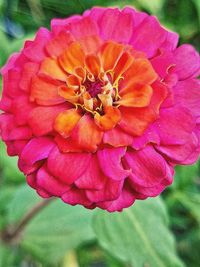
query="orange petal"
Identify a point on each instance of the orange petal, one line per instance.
(109, 120)
(45, 92)
(73, 81)
(136, 120)
(87, 134)
(137, 96)
(110, 53)
(51, 68)
(66, 121)
(93, 64)
(90, 44)
(68, 93)
(117, 137)
(72, 57)
(59, 44)
(123, 64)
(140, 71)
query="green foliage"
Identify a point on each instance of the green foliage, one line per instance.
(144, 246)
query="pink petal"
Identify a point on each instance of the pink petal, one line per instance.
(21, 108)
(110, 160)
(29, 70)
(115, 25)
(182, 154)
(148, 36)
(137, 16)
(20, 133)
(149, 136)
(57, 45)
(76, 196)
(117, 137)
(36, 150)
(14, 148)
(11, 83)
(83, 27)
(49, 183)
(148, 167)
(125, 200)
(68, 167)
(187, 61)
(187, 93)
(92, 178)
(175, 125)
(6, 125)
(35, 50)
(41, 119)
(111, 191)
(57, 25)
(9, 64)
(171, 41)
(163, 62)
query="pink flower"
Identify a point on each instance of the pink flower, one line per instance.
(101, 108)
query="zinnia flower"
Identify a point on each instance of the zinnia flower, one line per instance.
(101, 108)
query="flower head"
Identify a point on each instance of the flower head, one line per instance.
(101, 108)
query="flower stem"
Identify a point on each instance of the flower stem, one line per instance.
(12, 234)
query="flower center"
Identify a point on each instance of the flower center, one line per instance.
(93, 88)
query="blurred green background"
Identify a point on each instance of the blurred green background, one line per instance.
(160, 232)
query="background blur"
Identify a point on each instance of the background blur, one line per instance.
(161, 232)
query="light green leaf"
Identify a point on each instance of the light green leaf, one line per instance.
(55, 230)
(6, 256)
(10, 171)
(139, 235)
(153, 6)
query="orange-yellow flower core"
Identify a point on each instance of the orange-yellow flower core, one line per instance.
(100, 83)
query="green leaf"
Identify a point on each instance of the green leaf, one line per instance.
(153, 6)
(8, 166)
(55, 230)
(139, 235)
(191, 201)
(6, 256)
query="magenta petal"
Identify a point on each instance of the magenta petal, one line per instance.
(171, 41)
(187, 93)
(49, 183)
(58, 25)
(163, 62)
(10, 63)
(76, 196)
(21, 108)
(111, 191)
(67, 167)
(175, 125)
(110, 162)
(148, 167)
(182, 154)
(35, 50)
(187, 61)
(41, 119)
(92, 178)
(36, 150)
(14, 148)
(84, 27)
(115, 25)
(148, 36)
(125, 200)
(6, 125)
(20, 133)
(149, 136)
(137, 17)
(117, 137)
